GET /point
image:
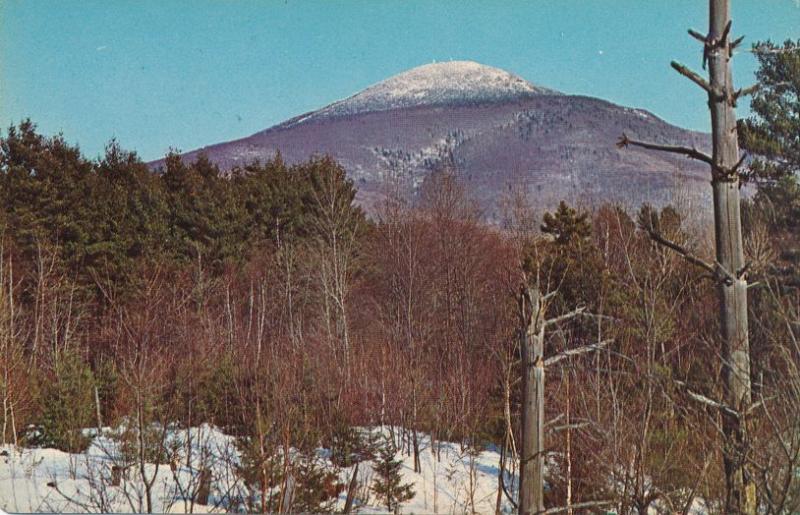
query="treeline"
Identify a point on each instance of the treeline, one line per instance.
(264, 301)
(102, 217)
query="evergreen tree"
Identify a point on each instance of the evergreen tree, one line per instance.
(566, 225)
(569, 262)
(130, 220)
(772, 136)
(67, 403)
(207, 222)
(388, 484)
(46, 191)
(316, 486)
(772, 133)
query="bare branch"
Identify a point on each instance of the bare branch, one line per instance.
(692, 76)
(696, 35)
(746, 91)
(692, 153)
(702, 399)
(742, 271)
(688, 256)
(710, 402)
(578, 506)
(738, 164)
(736, 42)
(564, 427)
(574, 352)
(549, 295)
(566, 316)
(704, 40)
(723, 274)
(725, 32)
(716, 271)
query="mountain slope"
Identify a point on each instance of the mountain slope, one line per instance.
(497, 131)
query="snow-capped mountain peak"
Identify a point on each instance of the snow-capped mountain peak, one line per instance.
(443, 83)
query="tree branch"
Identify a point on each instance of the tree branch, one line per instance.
(710, 402)
(578, 506)
(699, 37)
(688, 256)
(692, 153)
(746, 91)
(566, 316)
(724, 275)
(702, 399)
(716, 271)
(574, 352)
(725, 32)
(549, 296)
(694, 77)
(578, 425)
(704, 40)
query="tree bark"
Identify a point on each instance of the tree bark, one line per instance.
(531, 490)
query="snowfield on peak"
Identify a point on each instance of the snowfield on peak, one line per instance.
(444, 83)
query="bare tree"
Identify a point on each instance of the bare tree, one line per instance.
(532, 311)
(145, 363)
(775, 458)
(538, 289)
(11, 350)
(336, 226)
(729, 268)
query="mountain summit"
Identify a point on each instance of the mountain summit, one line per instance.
(496, 131)
(435, 84)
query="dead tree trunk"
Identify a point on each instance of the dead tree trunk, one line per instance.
(741, 495)
(533, 306)
(729, 269)
(531, 483)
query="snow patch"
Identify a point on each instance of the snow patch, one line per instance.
(451, 480)
(446, 83)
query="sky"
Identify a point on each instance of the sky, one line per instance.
(177, 74)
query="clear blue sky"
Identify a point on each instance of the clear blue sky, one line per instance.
(183, 74)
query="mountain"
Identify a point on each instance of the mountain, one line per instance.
(496, 131)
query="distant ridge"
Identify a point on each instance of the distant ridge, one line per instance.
(495, 130)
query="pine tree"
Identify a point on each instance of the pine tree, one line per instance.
(388, 486)
(770, 134)
(567, 225)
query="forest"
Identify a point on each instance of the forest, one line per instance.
(265, 302)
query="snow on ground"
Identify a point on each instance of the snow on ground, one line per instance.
(48, 480)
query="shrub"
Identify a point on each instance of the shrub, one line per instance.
(68, 405)
(388, 486)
